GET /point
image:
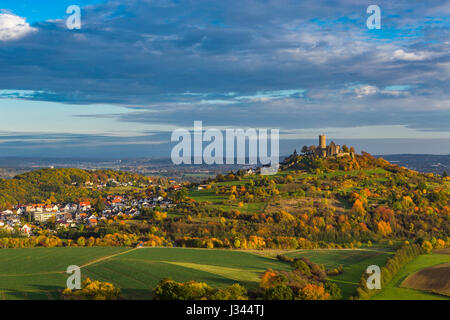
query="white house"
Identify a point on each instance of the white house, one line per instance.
(26, 229)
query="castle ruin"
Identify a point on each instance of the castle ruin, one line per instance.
(332, 150)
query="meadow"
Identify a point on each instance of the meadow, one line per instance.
(354, 261)
(39, 273)
(395, 291)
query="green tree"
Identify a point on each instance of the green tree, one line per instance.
(280, 292)
(333, 290)
(81, 241)
(301, 266)
(233, 292)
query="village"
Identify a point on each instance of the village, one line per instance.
(22, 218)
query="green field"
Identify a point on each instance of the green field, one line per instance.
(217, 200)
(394, 291)
(355, 262)
(38, 273)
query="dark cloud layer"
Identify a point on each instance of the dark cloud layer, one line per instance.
(285, 64)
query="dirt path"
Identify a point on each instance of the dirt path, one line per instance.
(105, 258)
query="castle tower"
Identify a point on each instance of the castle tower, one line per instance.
(323, 141)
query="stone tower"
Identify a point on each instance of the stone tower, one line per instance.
(323, 141)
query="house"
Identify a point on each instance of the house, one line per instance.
(92, 220)
(86, 205)
(117, 201)
(43, 216)
(70, 207)
(248, 172)
(50, 208)
(80, 216)
(26, 229)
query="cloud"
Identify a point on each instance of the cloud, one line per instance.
(400, 54)
(365, 91)
(13, 27)
(245, 63)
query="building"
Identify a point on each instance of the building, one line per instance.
(332, 150)
(26, 229)
(43, 216)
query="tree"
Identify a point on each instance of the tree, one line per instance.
(168, 289)
(427, 246)
(81, 241)
(301, 266)
(94, 290)
(99, 204)
(333, 290)
(313, 292)
(280, 292)
(233, 292)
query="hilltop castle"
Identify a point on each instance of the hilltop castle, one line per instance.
(332, 150)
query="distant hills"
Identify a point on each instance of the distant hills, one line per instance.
(421, 162)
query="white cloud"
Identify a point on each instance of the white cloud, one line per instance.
(362, 91)
(13, 27)
(410, 56)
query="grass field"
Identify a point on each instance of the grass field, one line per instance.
(395, 291)
(217, 200)
(39, 273)
(355, 262)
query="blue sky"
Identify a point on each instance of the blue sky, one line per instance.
(139, 69)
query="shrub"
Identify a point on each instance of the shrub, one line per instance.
(233, 292)
(93, 290)
(313, 292)
(280, 292)
(301, 266)
(333, 290)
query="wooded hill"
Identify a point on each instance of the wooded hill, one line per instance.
(59, 185)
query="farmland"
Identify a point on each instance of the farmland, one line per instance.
(39, 273)
(396, 290)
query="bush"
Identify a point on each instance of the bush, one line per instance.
(333, 290)
(168, 289)
(301, 266)
(233, 292)
(313, 292)
(93, 290)
(280, 292)
(285, 258)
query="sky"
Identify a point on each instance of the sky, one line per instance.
(137, 70)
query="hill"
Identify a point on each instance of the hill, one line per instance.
(60, 185)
